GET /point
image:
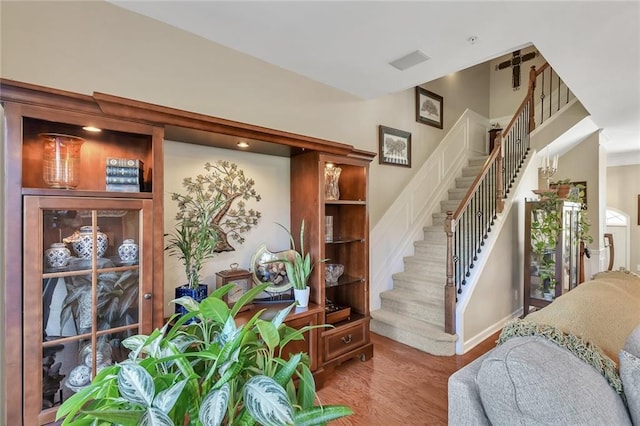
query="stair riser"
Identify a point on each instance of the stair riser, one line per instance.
(464, 182)
(433, 271)
(471, 171)
(433, 252)
(431, 314)
(477, 162)
(449, 205)
(422, 343)
(427, 288)
(434, 236)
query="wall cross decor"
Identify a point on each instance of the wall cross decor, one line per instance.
(514, 63)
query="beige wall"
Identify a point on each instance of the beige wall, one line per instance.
(133, 56)
(504, 100)
(623, 190)
(186, 160)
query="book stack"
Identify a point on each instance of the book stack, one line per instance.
(125, 175)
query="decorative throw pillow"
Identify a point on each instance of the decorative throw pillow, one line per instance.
(630, 375)
(632, 345)
(529, 380)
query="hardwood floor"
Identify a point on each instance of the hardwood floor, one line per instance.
(400, 385)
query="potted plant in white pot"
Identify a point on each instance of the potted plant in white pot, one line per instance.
(206, 217)
(209, 373)
(299, 268)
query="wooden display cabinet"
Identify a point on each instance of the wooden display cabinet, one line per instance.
(566, 255)
(47, 334)
(346, 302)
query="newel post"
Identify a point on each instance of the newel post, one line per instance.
(532, 89)
(449, 288)
(500, 175)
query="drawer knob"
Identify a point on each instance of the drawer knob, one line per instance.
(147, 296)
(346, 340)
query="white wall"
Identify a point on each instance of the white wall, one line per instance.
(623, 192)
(504, 100)
(271, 175)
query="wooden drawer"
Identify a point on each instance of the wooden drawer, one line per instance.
(343, 340)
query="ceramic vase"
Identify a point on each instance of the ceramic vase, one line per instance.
(128, 251)
(197, 294)
(57, 255)
(331, 179)
(82, 242)
(302, 297)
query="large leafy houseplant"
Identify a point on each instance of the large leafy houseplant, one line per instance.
(210, 372)
(546, 228)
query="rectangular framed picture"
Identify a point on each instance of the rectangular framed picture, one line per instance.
(428, 108)
(395, 147)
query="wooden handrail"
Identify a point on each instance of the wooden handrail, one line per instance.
(495, 162)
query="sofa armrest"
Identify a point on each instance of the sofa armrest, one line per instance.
(465, 406)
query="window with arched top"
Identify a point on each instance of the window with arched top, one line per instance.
(616, 218)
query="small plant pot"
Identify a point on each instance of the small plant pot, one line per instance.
(197, 294)
(302, 297)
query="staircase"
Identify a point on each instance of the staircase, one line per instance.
(413, 311)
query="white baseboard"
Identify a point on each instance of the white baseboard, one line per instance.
(487, 332)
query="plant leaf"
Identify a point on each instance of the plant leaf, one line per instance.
(115, 416)
(306, 388)
(214, 406)
(283, 376)
(267, 401)
(188, 303)
(281, 315)
(166, 399)
(155, 417)
(269, 334)
(135, 384)
(321, 415)
(215, 309)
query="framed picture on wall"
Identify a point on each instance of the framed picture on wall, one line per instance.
(395, 147)
(428, 108)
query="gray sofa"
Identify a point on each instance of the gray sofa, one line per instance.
(532, 380)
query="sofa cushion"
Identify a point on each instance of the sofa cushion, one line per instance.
(632, 345)
(529, 380)
(630, 375)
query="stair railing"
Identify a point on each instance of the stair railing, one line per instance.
(469, 225)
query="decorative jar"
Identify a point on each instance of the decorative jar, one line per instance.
(57, 255)
(61, 160)
(331, 178)
(82, 242)
(128, 251)
(333, 271)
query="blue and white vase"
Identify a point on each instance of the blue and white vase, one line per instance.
(197, 294)
(128, 251)
(57, 255)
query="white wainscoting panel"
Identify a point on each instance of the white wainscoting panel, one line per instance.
(393, 236)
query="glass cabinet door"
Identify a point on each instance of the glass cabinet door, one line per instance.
(87, 286)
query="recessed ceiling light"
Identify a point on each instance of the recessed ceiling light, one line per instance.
(91, 129)
(410, 60)
(243, 144)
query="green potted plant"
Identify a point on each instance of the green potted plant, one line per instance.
(211, 372)
(206, 217)
(299, 268)
(545, 231)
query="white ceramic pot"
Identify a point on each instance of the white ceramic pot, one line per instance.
(302, 297)
(58, 255)
(82, 242)
(128, 251)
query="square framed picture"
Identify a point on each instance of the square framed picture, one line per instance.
(395, 147)
(428, 108)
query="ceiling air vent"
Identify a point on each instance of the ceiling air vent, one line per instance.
(410, 60)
